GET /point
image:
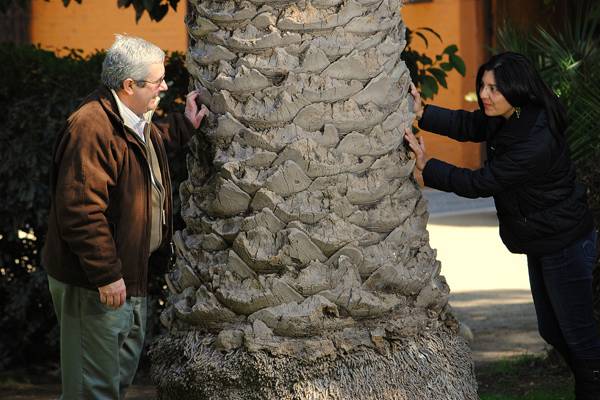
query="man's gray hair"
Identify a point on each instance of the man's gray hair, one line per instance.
(129, 57)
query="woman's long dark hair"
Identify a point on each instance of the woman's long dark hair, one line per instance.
(521, 85)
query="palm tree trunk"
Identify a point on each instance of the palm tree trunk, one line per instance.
(305, 271)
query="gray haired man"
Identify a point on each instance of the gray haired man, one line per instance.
(110, 219)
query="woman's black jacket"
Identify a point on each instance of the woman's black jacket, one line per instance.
(541, 209)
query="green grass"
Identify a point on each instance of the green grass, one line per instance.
(525, 377)
(535, 395)
(511, 365)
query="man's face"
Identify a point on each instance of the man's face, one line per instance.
(145, 93)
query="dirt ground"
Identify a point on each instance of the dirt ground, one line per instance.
(503, 323)
(52, 391)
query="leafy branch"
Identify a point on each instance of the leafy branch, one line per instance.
(427, 73)
(157, 9)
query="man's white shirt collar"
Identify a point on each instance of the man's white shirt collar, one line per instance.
(130, 119)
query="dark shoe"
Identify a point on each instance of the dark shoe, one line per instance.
(587, 379)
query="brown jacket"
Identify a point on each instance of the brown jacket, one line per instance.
(99, 223)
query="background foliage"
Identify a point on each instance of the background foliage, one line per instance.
(36, 91)
(156, 9)
(430, 73)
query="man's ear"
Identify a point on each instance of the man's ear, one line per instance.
(128, 86)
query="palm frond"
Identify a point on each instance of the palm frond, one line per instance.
(568, 59)
(511, 38)
(584, 114)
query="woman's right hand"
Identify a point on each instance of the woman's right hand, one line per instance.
(417, 102)
(417, 145)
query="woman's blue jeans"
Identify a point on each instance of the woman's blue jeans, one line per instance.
(561, 285)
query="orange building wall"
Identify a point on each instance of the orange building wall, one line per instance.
(92, 24)
(459, 22)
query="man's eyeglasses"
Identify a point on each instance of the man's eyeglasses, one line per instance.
(156, 82)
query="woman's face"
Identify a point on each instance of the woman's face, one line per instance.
(494, 103)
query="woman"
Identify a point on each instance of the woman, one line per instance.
(542, 211)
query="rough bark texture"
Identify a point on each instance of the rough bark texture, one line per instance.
(305, 270)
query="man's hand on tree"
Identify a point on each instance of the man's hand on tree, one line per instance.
(193, 114)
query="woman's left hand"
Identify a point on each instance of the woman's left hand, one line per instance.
(418, 147)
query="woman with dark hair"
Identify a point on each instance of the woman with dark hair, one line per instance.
(542, 211)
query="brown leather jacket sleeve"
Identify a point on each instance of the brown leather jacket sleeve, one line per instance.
(87, 162)
(176, 130)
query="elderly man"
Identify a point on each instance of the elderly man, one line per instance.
(110, 218)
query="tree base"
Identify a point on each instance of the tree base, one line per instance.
(433, 365)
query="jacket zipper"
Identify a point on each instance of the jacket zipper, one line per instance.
(145, 250)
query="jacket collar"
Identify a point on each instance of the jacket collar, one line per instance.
(108, 102)
(106, 99)
(519, 124)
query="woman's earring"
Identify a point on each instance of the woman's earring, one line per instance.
(518, 111)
